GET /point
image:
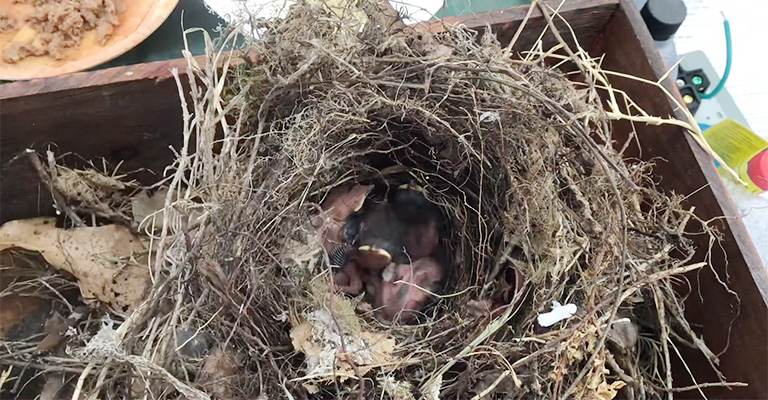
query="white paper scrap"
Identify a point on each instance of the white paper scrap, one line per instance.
(559, 313)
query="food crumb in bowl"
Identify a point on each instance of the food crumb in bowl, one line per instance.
(7, 23)
(19, 51)
(62, 24)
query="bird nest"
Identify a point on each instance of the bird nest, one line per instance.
(562, 253)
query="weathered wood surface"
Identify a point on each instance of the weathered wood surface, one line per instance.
(130, 114)
(587, 18)
(159, 70)
(688, 170)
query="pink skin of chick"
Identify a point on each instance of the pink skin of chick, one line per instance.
(362, 268)
(402, 297)
(340, 203)
(349, 279)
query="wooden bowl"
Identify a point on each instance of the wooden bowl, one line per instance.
(139, 19)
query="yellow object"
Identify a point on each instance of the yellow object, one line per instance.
(736, 145)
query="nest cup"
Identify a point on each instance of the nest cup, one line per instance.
(521, 162)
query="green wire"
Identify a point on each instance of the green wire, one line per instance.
(728, 59)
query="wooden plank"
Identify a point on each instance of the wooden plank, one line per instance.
(628, 47)
(586, 17)
(159, 70)
(133, 121)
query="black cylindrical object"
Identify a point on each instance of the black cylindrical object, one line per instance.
(663, 17)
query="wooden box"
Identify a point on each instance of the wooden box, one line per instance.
(133, 114)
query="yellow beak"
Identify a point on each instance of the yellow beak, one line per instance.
(378, 251)
(359, 205)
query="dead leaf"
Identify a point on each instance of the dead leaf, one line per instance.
(17, 307)
(623, 333)
(148, 210)
(397, 390)
(56, 329)
(608, 392)
(108, 261)
(430, 47)
(219, 372)
(54, 383)
(319, 340)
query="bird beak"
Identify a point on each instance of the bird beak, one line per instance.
(359, 205)
(378, 251)
(408, 186)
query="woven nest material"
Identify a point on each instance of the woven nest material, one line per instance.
(540, 208)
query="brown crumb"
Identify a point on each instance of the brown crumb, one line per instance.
(104, 32)
(34, 2)
(19, 51)
(62, 24)
(7, 23)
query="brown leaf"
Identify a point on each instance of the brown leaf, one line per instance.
(148, 210)
(55, 328)
(624, 333)
(52, 390)
(319, 340)
(108, 261)
(219, 372)
(18, 306)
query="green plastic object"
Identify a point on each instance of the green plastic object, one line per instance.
(454, 8)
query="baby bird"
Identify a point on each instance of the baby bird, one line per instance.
(338, 219)
(422, 219)
(379, 239)
(406, 289)
(349, 278)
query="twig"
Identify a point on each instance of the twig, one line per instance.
(58, 199)
(700, 386)
(44, 367)
(487, 333)
(511, 44)
(618, 370)
(605, 164)
(81, 380)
